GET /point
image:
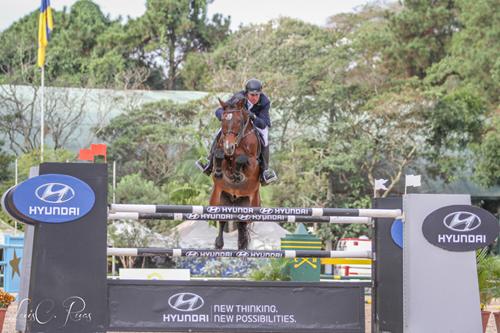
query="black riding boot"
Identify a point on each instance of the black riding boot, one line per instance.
(267, 175)
(207, 167)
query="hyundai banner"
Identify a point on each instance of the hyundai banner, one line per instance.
(53, 198)
(461, 228)
(237, 306)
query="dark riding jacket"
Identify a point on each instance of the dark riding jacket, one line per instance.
(261, 110)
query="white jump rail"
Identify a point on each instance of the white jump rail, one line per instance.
(240, 217)
(145, 252)
(138, 208)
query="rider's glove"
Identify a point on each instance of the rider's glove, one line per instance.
(251, 115)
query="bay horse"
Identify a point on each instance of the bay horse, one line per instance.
(237, 173)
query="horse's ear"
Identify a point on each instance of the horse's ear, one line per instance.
(223, 104)
(241, 103)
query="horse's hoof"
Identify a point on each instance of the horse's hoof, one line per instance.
(218, 245)
(217, 175)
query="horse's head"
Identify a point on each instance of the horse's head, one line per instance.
(234, 120)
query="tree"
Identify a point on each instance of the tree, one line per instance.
(168, 32)
(474, 47)
(5, 161)
(421, 35)
(152, 139)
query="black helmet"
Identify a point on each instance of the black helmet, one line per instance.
(253, 87)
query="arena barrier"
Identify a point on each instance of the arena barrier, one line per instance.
(68, 290)
(114, 251)
(240, 217)
(123, 208)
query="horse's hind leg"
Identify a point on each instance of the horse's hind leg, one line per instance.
(239, 162)
(219, 241)
(243, 235)
(219, 157)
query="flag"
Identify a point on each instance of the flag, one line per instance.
(45, 26)
(379, 184)
(412, 180)
(99, 150)
(86, 155)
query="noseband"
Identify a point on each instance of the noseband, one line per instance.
(240, 135)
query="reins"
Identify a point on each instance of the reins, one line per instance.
(240, 135)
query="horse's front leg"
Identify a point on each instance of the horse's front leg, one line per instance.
(219, 157)
(240, 161)
(219, 241)
(243, 235)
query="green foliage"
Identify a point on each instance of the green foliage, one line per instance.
(129, 234)
(31, 159)
(87, 48)
(476, 44)
(421, 35)
(133, 189)
(167, 32)
(6, 161)
(271, 270)
(488, 275)
(486, 155)
(152, 139)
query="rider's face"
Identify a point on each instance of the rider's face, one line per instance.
(253, 98)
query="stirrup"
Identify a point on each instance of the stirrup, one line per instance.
(268, 176)
(204, 167)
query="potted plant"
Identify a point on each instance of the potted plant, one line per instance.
(497, 320)
(5, 300)
(488, 276)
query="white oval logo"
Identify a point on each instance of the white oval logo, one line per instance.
(186, 302)
(213, 209)
(266, 210)
(192, 254)
(242, 254)
(55, 193)
(192, 216)
(462, 221)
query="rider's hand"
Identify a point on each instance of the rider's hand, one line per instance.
(251, 115)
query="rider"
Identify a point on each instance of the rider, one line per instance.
(257, 107)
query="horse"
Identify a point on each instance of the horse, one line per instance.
(236, 170)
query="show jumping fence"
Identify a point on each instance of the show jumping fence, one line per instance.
(266, 211)
(75, 252)
(240, 217)
(236, 253)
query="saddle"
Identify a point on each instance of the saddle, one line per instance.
(261, 143)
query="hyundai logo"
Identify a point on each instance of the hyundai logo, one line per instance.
(213, 209)
(266, 210)
(191, 254)
(55, 193)
(244, 217)
(462, 221)
(192, 216)
(186, 302)
(242, 254)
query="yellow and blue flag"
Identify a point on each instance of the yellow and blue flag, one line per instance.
(45, 26)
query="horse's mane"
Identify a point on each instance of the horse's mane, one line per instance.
(236, 99)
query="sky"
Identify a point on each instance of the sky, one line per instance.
(241, 12)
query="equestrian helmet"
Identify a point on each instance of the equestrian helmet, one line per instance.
(253, 87)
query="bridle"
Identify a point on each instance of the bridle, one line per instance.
(240, 135)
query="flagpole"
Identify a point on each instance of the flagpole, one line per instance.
(42, 116)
